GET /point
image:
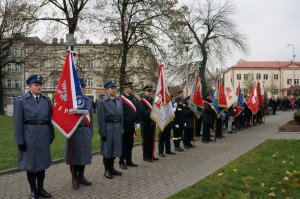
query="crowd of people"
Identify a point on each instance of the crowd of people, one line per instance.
(118, 117)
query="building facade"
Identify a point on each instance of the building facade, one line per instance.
(276, 77)
(96, 63)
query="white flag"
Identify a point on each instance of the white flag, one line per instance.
(230, 94)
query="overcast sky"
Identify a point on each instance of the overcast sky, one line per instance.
(269, 26)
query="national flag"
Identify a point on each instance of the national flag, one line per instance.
(162, 110)
(253, 103)
(215, 100)
(231, 97)
(69, 105)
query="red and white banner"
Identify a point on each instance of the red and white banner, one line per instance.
(253, 101)
(230, 94)
(69, 105)
(162, 111)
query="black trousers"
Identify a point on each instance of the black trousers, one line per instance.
(198, 125)
(188, 136)
(36, 180)
(108, 163)
(164, 140)
(206, 131)
(148, 135)
(219, 127)
(127, 143)
(177, 136)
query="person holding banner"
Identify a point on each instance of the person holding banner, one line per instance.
(110, 120)
(178, 122)
(130, 115)
(78, 149)
(208, 119)
(147, 125)
(34, 134)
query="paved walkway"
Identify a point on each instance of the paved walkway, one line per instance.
(152, 180)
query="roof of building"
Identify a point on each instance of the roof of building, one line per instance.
(265, 64)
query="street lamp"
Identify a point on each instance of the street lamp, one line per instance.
(293, 55)
(187, 44)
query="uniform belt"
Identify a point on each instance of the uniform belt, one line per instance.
(36, 122)
(112, 121)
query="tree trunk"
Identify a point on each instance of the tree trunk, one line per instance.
(202, 69)
(122, 78)
(1, 94)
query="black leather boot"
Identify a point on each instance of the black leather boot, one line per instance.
(82, 179)
(33, 195)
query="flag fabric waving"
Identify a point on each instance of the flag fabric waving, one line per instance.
(221, 95)
(215, 105)
(69, 106)
(162, 110)
(195, 102)
(240, 100)
(231, 97)
(259, 96)
(253, 103)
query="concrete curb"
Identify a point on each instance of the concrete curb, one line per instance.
(57, 161)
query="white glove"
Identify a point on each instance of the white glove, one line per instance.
(177, 126)
(184, 124)
(175, 105)
(137, 126)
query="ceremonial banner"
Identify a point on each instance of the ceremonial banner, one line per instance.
(230, 95)
(215, 100)
(259, 96)
(69, 106)
(221, 95)
(162, 110)
(195, 102)
(252, 103)
(240, 101)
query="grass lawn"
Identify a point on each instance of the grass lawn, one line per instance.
(8, 148)
(271, 170)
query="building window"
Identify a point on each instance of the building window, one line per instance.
(17, 83)
(275, 76)
(296, 81)
(289, 81)
(238, 76)
(9, 68)
(91, 63)
(258, 76)
(276, 91)
(89, 82)
(245, 76)
(265, 76)
(18, 52)
(17, 68)
(8, 83)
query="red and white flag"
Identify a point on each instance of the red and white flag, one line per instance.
(253, 101)
(162, 110)
(231, 97)
(69, 105)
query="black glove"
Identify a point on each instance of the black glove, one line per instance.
(22, 147)
(51, 140)
(103, 139)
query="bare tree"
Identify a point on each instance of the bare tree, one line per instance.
(137, 23)
(212, 28)
(15, 23)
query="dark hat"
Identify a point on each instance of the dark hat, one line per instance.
(148, 88)
(179, 92)
(128, 84)
(207, 95)
(35, 79)
(82, 83)
(110, 84)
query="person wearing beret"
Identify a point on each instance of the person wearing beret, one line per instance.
(147, 125)
(110, 121)
(130, 115)
(78, 149)
(34, 133)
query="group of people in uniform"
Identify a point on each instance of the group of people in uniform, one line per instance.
(117, 117)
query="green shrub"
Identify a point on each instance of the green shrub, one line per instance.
(297, 117)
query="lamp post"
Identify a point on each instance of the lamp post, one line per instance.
(293, 55)
(187, 44)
